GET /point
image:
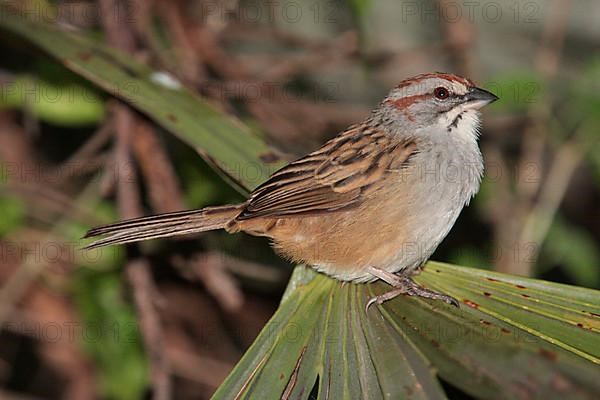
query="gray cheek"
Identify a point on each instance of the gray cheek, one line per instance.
(424, 115)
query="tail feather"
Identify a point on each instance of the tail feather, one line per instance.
(163, 225)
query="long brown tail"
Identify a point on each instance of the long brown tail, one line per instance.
(163, 225)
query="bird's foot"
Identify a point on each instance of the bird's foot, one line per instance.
(405, 285)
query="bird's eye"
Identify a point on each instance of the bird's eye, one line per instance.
(441, 93)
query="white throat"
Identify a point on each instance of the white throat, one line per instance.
(459, 130)
(462, 122)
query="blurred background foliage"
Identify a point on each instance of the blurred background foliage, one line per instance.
(296, 72)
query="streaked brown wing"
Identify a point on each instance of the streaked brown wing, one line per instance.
(331, 178)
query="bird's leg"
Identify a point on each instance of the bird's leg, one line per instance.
(404, 285)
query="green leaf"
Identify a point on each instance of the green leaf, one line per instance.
(222, 141)
(517, 91)
(470, 256)
(359, 7)
(584, 92)
(583, 111)
(110, 335)
(66, 104)
(575, 249)
(12, 214)
(512, 338)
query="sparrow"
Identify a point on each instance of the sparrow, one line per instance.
(372, 203)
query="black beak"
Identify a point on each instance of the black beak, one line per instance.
(480, 96)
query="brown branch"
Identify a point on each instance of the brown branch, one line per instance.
(215, 278)
(93, 145)
(144, 295)
(166, 196)
(459, 37)
(199, 368)
(540, 218)
(271, 109)
(156, 169)
(30, 267)
(137, 269)
(16, 149)
(190, 64)
(534, 144)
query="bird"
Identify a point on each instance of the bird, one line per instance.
(373, 203)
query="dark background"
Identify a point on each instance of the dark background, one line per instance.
(296, 72)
